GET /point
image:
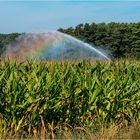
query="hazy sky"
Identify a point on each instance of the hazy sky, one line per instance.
(41, 16)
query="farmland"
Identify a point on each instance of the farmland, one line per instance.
(51, 95)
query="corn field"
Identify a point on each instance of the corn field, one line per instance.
(50, 94)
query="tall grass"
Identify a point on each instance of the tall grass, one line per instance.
(50, 95)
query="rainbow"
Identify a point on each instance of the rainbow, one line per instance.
(51, 45)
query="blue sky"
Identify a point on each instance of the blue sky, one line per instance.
(41, 16)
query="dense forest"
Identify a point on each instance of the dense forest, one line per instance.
(120, 39)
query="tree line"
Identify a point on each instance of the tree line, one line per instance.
(5, 39)
(121, 39)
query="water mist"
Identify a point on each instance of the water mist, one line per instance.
(52, 45)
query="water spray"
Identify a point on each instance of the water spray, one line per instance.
(52, 45)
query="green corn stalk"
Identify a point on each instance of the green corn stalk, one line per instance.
(76, 93)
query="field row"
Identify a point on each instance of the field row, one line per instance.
(51, 94)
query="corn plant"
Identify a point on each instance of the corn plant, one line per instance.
(83, 93)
